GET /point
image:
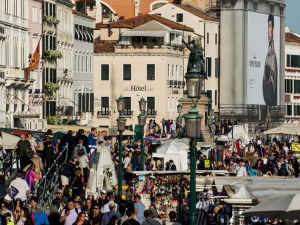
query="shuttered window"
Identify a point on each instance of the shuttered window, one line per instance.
(216, 67)
(208, 67)
(150, 105)
(126, 71)
(150, 71)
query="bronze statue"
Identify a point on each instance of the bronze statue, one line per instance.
(196, 60)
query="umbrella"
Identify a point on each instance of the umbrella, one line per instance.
(180, 142)
(59, 134)
(150, 138)
(285, 207)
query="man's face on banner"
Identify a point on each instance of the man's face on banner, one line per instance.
(270, 31)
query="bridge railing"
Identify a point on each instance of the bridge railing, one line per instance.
(49, 183)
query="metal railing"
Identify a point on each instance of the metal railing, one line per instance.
(48, 184)
(6, 167)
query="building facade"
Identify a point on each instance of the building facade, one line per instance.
(145, 60)
(64, 69)
(35, 33)
(14, 106)
(207, 28)
(83, 67)
(292, 76)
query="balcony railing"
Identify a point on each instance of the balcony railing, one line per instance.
(36, 91)
(103, 113)
(176, 83)
(128, 112)
(151, 112)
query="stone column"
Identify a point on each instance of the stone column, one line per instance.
(202, 102)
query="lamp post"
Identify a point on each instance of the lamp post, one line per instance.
(232, 115)
(142, 121)
(121, 128)
(179, 120)
(193, 130)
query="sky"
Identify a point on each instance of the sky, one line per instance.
(292, 16)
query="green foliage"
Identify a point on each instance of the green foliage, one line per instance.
(53, 120)
(52, 54)
(51, 20)
(49, 86)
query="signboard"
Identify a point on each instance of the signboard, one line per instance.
(263, 59)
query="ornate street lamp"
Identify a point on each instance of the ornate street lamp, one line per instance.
(121, 121)
(179, 120)
(193, 131)
(142, 121)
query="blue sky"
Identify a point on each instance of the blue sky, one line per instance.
(292, 17)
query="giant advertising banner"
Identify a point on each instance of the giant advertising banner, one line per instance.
(263, 79)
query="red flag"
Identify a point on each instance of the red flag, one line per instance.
(34, 62)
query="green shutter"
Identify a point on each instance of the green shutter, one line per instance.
(208, 67)
(126, 71)
(150, 72)
(216, 67)
(288, 60)
(104, 72)
(209, 95)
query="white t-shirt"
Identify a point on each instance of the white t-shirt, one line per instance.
(22, 186)
(71, 218)
(126, 162)
(105, 208)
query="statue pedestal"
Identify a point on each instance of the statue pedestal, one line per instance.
(202, 102)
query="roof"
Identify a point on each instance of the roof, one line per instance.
(82, 14)
(290, 37)
(104, 46)
(142, 19)
(195, 12)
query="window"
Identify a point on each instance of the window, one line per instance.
(216, 97)
(296, 110)
(179, 17)
(208, 66)
(289, 110)
(189, 38)
(126, 71)
(50, 75)
(216, 67)
(105, 106)
(104, 72)
(50, 108)
(168, 71)
(296, 86)
(150, 72)
(293, 61)
(216, 39)
(76, 32)
(288, 86)
(207, 38)
(127, 110)
(85, 102)
(150, 106)
(209, 95)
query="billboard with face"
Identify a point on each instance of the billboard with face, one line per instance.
(263, 68)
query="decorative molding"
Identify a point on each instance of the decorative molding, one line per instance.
(228, 3)
(281, 6)
(246, 4)
(255, 4)
(272, 7)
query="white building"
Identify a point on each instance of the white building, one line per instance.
(146, 61)
(13, 60)
(208, 29)
(64, 35)
(83, 67)
(292, 76)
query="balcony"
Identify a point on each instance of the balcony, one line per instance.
(148, 49)
(176, 83)
(151, 113)
(128, 113)
(36, 92)
(103, 114)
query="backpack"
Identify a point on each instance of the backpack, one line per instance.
(40, 146)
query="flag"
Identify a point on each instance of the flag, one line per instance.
(34, 62)
(13, 191)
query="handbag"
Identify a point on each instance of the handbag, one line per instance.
(71, 187)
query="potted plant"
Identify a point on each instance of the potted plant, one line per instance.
(53, 120)
(49, 86)
(52, 54)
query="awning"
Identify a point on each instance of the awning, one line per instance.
(27, 116)
(9, 141)
(144, 33)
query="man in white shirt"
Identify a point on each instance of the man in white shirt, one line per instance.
(126, 161)
(22, 186)
(106, 209)
(241, 170)
(286, 149)
(70, 214)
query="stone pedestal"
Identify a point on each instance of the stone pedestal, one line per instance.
(202, 102)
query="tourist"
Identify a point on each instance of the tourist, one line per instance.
(172, 165)
(81, 219)
(21, 186)
(149, 220)
(92, 138)
(139, 208)
(112, 213)
(25, 217)
(22, 149)
(241, 170)
(70, 213)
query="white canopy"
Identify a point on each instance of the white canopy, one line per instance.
(174, 152)
(284, 129)
(9, 141)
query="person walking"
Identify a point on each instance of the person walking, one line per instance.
(139, 208)
(92, 138)
(22, 187)
(172, 165)
(70, 213)
(22, 149)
